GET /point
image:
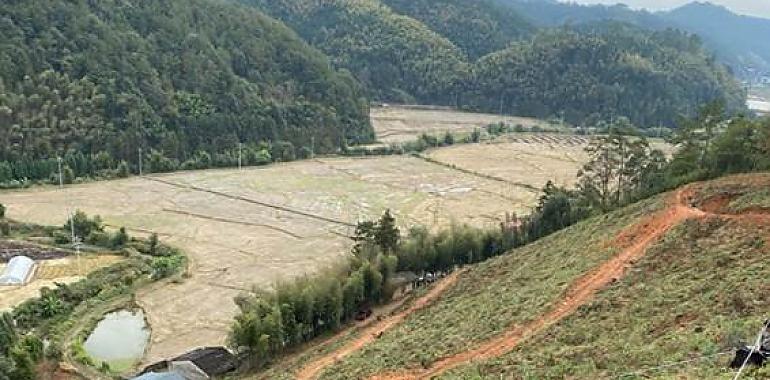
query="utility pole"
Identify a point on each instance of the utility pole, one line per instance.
(140, 161)
(70, 216)
(312, 147)
(240, 155)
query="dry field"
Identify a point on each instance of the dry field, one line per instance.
(253, 227)
(399, 124)
(259, 225)
(48, 272)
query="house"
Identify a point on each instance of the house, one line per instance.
(199, 364)
(18, 272)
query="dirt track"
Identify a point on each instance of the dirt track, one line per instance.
(633, 243)
(312, 369)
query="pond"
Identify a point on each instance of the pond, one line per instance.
(119, 339)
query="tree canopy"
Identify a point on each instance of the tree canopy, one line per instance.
(176, 76)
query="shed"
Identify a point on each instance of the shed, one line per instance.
(201, 363)
(18, 272)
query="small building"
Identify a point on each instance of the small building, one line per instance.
(200, 364)
(18, 272)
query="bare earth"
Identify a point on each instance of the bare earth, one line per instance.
(399, 124)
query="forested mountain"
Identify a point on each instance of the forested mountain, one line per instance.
(590, 73)
(173, 75)
(741, 41)
(396, 57)
(478, 27)
(734, 38)
(600, 73)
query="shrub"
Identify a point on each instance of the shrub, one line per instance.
(5, 228)
(2, 210)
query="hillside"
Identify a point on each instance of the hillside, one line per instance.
(732, 37)
(678, 277)
(176, 76)
(396, 57)
(478, 27)
(602, 71)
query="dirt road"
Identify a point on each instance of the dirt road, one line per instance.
(368, 335)
(633, 242)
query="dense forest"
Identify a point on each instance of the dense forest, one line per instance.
(477, 27)
(172, 76)
(732, 37)
(396, 57)
(602, 72)
(583, 74)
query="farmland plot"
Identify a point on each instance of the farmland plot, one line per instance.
(252, 227)
(400, 124)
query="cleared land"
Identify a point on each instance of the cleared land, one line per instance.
(400, 124)
(252, 227)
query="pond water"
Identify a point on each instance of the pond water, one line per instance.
(119, 339)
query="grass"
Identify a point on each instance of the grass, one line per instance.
(696, 294)
(751, 200)
(493, 295)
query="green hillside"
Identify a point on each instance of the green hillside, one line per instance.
(478, 27)
(696, 294)
(692, 289)
(396, 57)
(176, 76)
(602, 72)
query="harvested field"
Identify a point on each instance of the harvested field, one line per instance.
(521, 159)
(51, 271)
(399, 124)
(259, 225)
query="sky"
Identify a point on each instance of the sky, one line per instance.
(759, 8)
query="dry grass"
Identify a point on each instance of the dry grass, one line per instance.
(253, 227)
(399, 124)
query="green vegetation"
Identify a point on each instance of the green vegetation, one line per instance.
(478, 27)
(512, 288)
(397, 58)
(95, 81)
(697, 293)
(581, 75)
(600, 73)
(751, 201)
(67, 309)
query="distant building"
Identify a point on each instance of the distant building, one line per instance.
(18, 272)
(200, 364)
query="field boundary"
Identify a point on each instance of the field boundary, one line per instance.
(252, 201)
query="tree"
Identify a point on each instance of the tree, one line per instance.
(386, 234)
(2, 211)
(83, 225)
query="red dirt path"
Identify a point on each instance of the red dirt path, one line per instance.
(633, 241)
(368, 335)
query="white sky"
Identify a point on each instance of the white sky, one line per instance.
(760, 8)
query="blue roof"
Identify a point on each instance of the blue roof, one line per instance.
(160, 376)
